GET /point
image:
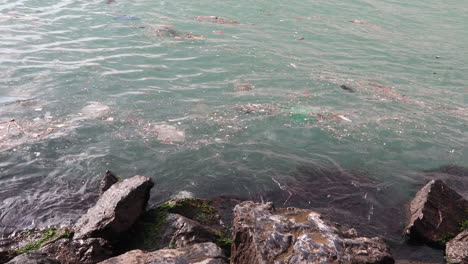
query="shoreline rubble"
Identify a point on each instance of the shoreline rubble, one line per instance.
(119, 229)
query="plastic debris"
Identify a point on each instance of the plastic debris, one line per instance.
(347, 88)
(126, 18)
(243, 87)
(95, 110)
(216, 19)
(345, 118)
(169, 134)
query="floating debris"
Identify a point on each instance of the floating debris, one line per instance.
(347, 88)
(357, 21)
(388, 92)
(95, 110)
(126, 18)
(216, 19)
(163, 31)
(256, 108)
(243, 87)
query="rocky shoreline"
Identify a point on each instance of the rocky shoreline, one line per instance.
(119, 229)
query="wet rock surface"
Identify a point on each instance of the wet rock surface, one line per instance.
(204, 253)
(456, 250)
(262, 234)
(33, 258)
(436, 214)
(82, 251)
(116, 210)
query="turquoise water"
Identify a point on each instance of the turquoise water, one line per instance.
(109, 92)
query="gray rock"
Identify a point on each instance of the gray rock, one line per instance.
(204, 253)
(436, 212)
(457, 249)
(116, 210)
(107, 181)
(179, 231)
(265, 235)
(82, 251)
(33, 258)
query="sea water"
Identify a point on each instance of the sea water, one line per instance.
(253, 109)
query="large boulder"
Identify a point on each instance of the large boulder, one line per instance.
(116, 210)
(298, 236)
(436, 213)
(82, 251)
(33, 258)
(457, 249)
(179, 231)
(204, 253)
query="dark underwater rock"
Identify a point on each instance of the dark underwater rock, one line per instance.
(265, 235)
(82, 251)
(116, 210)
(33, 258)
(107, 181)
(351, 198)
(206, 253)
(457, 249)
(436, 214)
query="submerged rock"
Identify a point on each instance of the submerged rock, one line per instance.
(204, 253)
(457, 249)
(107, 181)
(33, 258)
(265, 235)
(116, 210)
(436, 213)
(82, 251)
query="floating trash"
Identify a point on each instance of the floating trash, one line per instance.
(243, 87)
(95, 110)
(126, 18)
(168, 134)
(347, 88)
(216, 19)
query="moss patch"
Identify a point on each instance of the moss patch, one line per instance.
(223, 242)
(199, 210)
(443, 239)
(46, 236)
(147, 231)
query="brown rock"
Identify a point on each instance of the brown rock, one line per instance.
(116, 210)
(179, 231)
(457, 249)
(298, 236)
(107, 181)
(436, 213)
(82, 251)
(33, 258)
(204, 253)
